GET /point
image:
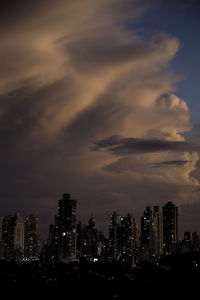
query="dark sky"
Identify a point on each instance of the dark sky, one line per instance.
(99, 98)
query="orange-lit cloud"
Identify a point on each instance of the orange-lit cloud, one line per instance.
(73, 75)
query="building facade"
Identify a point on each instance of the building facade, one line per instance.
(87, 240)
(66, 228)
(151, 234)
(12, 236)
(123, 238)
(31, 237)
(170, 227)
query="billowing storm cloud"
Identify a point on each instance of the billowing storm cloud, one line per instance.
(88, 106)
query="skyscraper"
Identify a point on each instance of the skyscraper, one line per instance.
(157, 227)
(87, 239)
(66, 222)
(19, 236)
(151, 234)
(8, 227)
(146, 234)
(13, 236)
(31, 237)
(128, 239)
(170, 227)
(115, 222)
(122, 238)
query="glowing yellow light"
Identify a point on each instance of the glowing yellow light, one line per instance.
(64, 234)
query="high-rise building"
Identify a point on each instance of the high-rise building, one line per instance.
(115, 222)
(146, 227)
(8, 228)
(79, 239)
(146, 234)
(87, 239)
(123, 237)
(19, 236)
(102, 246)
(127, 239)
(66, 223)
(50, 251)
(157, 239)
(170, 227)
(31, 237)
(13, 236)
(92, 237)
(151, 234)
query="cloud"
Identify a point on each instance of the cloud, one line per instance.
(121, 146)
(88, 106)
(90, 54)
(171, 163)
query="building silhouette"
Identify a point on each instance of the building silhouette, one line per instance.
(67, 227)
(151, 234)
(8, 225)
(31, 237)
(61, 243)
(123, 238)
(170, 227)
(69, 241)
(13, 236)
(114, 236)
(19, 240)
(87, 240)
(128, 240)
(19, 237)
(146, 235)
(64, 238)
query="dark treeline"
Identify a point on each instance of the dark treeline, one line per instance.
(100, 280)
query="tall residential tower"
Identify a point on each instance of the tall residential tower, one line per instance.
(170, 227)
(66, 222)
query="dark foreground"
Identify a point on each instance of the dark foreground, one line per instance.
(101, 280)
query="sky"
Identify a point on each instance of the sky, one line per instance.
(100, 99)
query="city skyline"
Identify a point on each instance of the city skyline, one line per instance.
(100, 98)
(69, 240)
(103, 224)
(105, 229)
